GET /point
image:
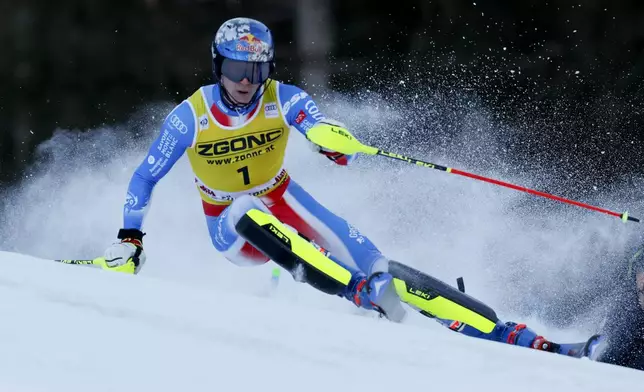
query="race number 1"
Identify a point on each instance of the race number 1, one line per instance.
(245, 175)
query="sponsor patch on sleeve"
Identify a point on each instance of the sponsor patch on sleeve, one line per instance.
(300, 117)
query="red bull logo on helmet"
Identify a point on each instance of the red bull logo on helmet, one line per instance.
(250, 43)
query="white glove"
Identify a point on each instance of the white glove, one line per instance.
(127, 255)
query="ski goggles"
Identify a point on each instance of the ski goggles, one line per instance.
(236, 71)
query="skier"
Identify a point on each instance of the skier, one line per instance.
(235, 134)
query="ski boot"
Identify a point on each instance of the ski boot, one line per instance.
(376, 293)
(523, 336)
(583, 349)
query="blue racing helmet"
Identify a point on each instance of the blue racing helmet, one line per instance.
(243, 48)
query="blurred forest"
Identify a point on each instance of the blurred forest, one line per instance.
(81, 64)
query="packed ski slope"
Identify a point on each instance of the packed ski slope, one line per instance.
(69, 328)
(193, 321)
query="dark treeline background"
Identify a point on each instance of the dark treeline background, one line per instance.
(569, 71)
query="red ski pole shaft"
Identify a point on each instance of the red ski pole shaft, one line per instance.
(623, 216)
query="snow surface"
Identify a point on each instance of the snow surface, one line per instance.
(192, 321)
(73, 328)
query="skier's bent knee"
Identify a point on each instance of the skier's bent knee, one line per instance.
(225, 237)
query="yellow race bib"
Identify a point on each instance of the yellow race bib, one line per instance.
(246, 159)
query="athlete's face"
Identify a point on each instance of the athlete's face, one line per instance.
(241, 92)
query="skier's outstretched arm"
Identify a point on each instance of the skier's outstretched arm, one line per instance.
(177, 134)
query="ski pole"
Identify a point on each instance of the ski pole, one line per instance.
(95, 262)
(342, 141)
(129, 267)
